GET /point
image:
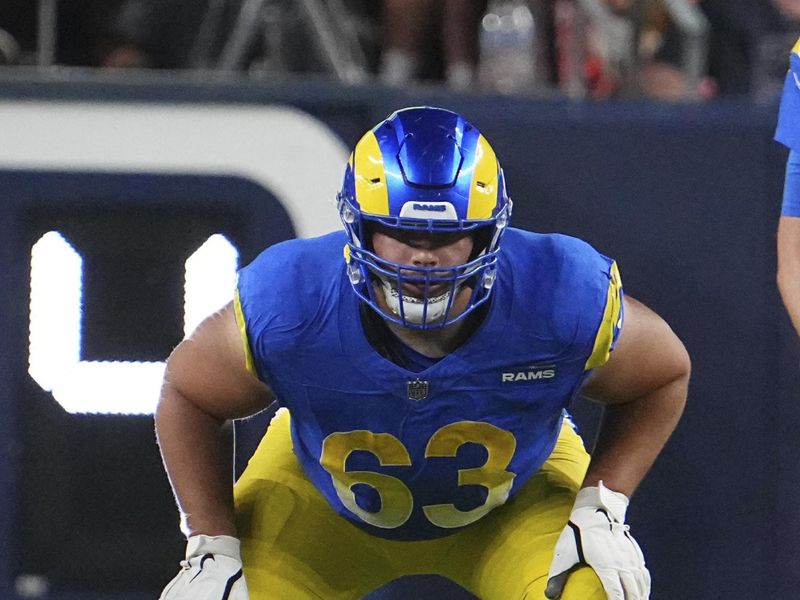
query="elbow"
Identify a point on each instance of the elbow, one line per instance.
(681, 372)
(166, 407)
(173, 406)
(178, 409)
(684, 364)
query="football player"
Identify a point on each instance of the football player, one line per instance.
(788, 133)
(423, 360)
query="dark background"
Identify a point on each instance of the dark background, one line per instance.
(686, 198)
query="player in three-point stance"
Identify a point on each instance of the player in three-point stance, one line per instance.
(425, 357)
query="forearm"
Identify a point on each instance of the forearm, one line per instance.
(633, 434)
(789, 285)
(197, 452)
(789, 266)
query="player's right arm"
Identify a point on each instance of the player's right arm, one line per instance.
(788, 133)
(205, 385)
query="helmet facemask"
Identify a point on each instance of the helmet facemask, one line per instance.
(371, 274)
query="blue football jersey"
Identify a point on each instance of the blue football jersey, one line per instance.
(415, 455)
(788, 131)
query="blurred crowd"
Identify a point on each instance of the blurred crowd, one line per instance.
(662, 49)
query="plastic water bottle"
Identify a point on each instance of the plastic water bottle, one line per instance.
(508, 47)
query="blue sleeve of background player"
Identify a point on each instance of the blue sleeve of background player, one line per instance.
(788, 130)
(788, 133)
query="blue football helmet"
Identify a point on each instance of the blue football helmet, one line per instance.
(423, 169)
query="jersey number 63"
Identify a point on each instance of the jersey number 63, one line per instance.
(397, 502)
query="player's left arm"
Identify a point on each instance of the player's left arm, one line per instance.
(644, 386)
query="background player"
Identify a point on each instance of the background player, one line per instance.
(427, 376)
(788, 133)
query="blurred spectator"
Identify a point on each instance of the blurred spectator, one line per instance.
(435, 39)
(271, 35)
(738, 28)
(18, 22)
(80, 33)
(9, 48)
(161, 33)
(746, 54)
(593, 46)
(438, 40)
(662, 75)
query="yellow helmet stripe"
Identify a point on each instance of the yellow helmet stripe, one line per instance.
(372, 193)
(609, 324)
(483, 187)
(796, 49)
(249, 363)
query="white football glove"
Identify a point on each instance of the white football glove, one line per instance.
(212, 571)
(596, 535)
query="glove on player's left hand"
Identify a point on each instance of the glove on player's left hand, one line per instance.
(596, 535)
(212, 571)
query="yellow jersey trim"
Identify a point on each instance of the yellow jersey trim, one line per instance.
(796, 49)
(610, 322)
(249, 363)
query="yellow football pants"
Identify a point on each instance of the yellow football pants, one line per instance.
(295, 546)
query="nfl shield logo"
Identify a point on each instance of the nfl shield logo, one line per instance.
(417, 389)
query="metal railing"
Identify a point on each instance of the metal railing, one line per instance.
(46, 36)
(694, 29)
(331, 28)
(333, 35)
